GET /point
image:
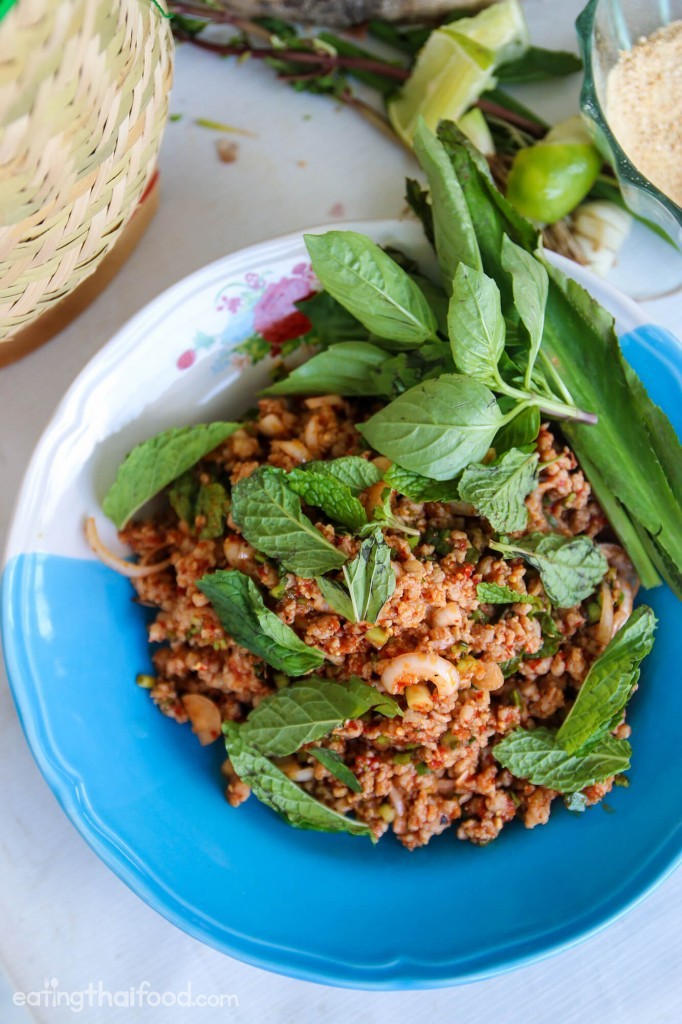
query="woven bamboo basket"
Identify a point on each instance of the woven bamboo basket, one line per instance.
(83, 102)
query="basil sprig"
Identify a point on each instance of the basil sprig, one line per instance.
(238, 604)
(269, 515)
(157, 462)
(570, 567)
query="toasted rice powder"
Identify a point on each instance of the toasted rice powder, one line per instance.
(425, 771)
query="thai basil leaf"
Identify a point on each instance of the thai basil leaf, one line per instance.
(212, 504)
(420, 488)
(436, 428)
(609, 682)
(269, 515)
(370, 578)
(272, 787)
(371, 286)
(570, 568)
(530, 284)
(539, 757)
(454, 232)
(522, 430)
(326, 492)
(498, 490)
(157, 462)
(356, 473)
(337, 597)
(348, 368)
(476, 325)
(238, 604)
(334, 763)
(494, 593)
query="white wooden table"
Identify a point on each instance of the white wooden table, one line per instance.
(65, 919)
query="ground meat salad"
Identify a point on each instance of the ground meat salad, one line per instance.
(468, 648)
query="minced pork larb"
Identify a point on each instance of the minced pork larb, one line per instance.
(440, 651)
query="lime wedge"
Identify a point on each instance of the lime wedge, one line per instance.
(501, 28)
(450, 74)
(475, 127)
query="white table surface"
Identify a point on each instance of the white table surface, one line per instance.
(65, 919)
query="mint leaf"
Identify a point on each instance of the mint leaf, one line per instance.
(530, 284)
(420, 488)
(370, 578)
(307, 711)
(269, 515)
(538, 64)
(273, 788)
(476, 325)
(551, 636)
(183, 495)
(238, 604)
(157, 462)
(344, 369)
(326, 492)
(212, 503)
(436, 428)
(382, 516)
(539, 757)
(498, 490)
(372, 287)
(337, 597)
(570, 567)
(609, 682)
(494, 593)
(334, 763)
(454, 232)
(356, 473)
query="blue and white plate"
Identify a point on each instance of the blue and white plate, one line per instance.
(149, 800)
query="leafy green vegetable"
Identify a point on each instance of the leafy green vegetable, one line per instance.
(538, 64)
(348, 368)
(437, 427)
(580, 353)
(420, 488)
(519, 431)
(609, 683)
(570, 567)
(476, 325)
(238, 604)
(529, 285)
(307, 711)
(272, 787)
(334, 763)
(183, 495)
(337, 597)
(498, 490)
(269, 515)
(370, 578)
(212, 504)
(383, 516)
(494, 593)
(155, 463)
(372, 287)
(454, 232)
(325, 491)
(356, 473)
(331, 323)
(539, 757)
(551, 636)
